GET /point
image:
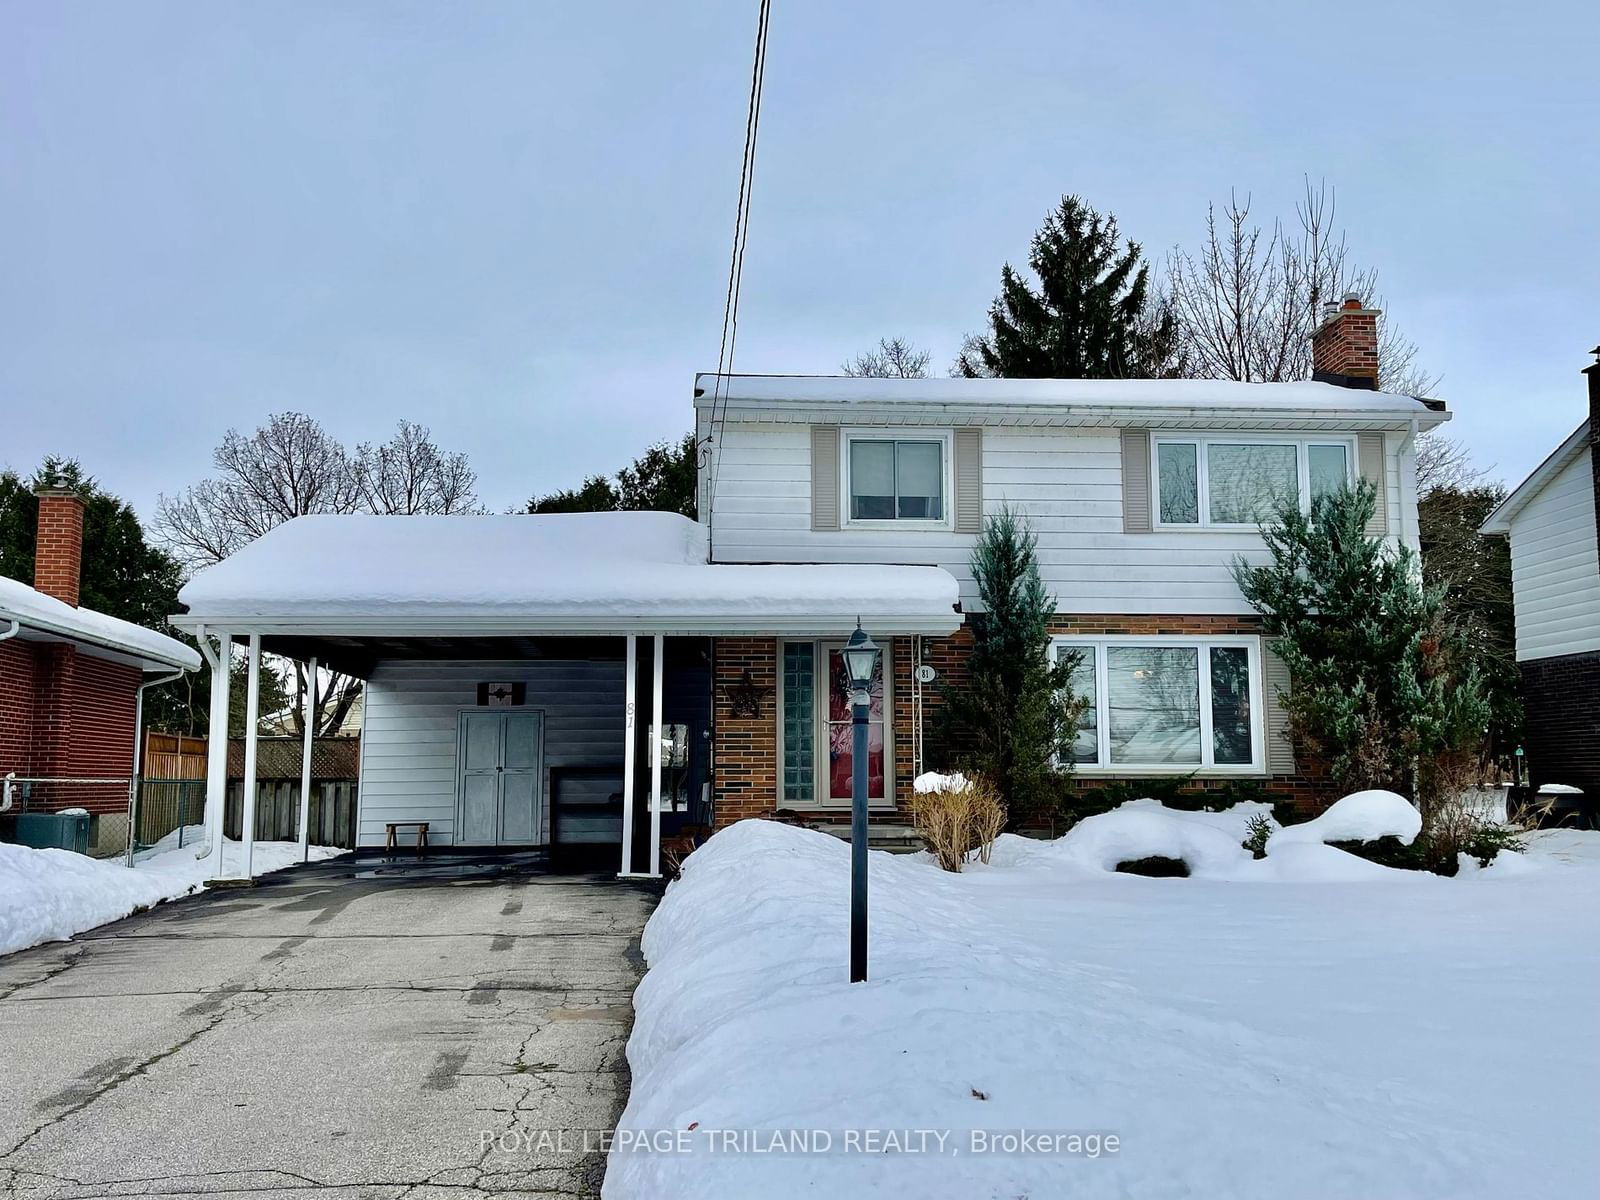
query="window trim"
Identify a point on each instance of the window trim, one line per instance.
(819, 729)
(946, 441)
(1103, 767)
(1201, 442)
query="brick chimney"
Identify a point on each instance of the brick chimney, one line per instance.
(1344, 345)
(58, 553)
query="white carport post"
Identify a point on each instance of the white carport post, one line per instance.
(305, 761)
(657, 658)
(217, 744)
(252, 718)
(630, 686)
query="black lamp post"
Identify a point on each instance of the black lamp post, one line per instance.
(860, 661)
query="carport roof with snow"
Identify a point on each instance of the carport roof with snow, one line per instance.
(562, 574)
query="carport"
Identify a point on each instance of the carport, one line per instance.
(531, 680)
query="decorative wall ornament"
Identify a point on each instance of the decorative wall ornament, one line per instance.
(745, 697)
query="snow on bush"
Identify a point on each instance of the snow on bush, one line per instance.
(1359, 817)
(49, 895)
(932, 781)
(1302, 1041)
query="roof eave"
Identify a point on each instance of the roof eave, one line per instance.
(1498, 522)
(936, 624)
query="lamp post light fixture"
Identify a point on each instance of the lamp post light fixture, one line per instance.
(860, 663)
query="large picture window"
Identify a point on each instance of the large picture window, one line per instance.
(817, 730)
(1240, 481)
(896, 479)
(1167, 704)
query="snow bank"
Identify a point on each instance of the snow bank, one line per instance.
(1210, 844)
(1359, 817)
(1239, 1041)
(49, 895)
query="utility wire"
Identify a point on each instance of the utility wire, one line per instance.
(711, 448)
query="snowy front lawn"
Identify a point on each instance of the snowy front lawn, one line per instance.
(1307, 1025)
(49, 895)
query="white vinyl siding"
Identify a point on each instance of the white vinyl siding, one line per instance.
(1069, 484)
(412, 712)
(1555, 567)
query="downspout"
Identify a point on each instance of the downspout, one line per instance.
(1408, 445)
(138, 756)
(211, 658)
(5, 788)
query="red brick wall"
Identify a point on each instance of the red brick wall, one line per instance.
(16, 707)
(745, 749)
(63, 713)
(747, 756)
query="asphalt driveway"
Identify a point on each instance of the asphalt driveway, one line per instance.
(448, 1030)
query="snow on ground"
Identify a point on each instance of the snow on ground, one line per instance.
(1329, 1031)
(49, 895)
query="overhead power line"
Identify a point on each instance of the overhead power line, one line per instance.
(710, 448)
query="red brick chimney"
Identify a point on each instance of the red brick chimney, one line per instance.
(1344, 345)
(58, 553)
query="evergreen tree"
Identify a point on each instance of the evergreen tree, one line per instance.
(1091, 316)
(1383, 687)
(1013, 715)
(662, 479)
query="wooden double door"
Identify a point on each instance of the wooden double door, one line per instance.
(500, 792)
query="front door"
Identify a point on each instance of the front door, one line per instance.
(501, 764)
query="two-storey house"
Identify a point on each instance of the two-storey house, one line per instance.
(600, 680)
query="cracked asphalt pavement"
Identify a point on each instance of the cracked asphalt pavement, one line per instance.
(426, 1031)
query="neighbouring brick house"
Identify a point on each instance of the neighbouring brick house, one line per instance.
(71, 679)
(1551, 521)
(607, 678)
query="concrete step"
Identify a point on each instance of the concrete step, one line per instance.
(895, 838)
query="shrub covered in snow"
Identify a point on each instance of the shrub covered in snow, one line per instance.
(956, 816)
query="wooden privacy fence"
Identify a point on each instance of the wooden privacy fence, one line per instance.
(173, 756)
(333, 811)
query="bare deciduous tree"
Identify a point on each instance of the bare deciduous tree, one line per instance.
(292, 467)
(892, 358)
(1247, 304)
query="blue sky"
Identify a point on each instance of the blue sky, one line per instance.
(510, 221)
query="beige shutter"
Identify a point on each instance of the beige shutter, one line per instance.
(824, 477)
(969, 480)
(1280, 746)
(1135, 481)
(1373, 470)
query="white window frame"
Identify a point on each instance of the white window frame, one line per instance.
(819, 728)
(1094, 647)
(1202, 471)
(946, 440)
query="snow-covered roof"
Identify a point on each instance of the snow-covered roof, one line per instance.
(1499, 521)
(568, 572)
(37, 612)
(1072, 401)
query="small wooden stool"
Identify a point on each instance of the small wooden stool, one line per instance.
(394, 827)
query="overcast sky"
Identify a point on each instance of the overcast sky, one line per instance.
(510, 221)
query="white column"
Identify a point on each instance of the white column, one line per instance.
(657, 661)
(630, 687)
(305, 762)
(217, 747)
(252, 718)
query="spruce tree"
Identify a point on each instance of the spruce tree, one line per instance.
(1383, 688)
(1011, 717)
(1091, 316)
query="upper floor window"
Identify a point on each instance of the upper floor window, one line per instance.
(896, 479)
(1240, 481)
